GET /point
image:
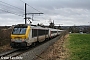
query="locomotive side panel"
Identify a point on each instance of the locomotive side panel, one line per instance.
(41, 35)
(34, 35)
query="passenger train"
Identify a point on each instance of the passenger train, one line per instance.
(24, 35)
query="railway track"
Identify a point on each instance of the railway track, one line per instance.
(6, 55)
(33, 51)
(8, 52)
(13, 54)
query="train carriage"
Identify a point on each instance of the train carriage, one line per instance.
(40, 33)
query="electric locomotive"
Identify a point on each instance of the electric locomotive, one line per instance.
(24, 35)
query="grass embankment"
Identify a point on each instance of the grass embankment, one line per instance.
(5, 39)
(79, 46)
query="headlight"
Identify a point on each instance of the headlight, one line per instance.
(12, 40)
(23, 40)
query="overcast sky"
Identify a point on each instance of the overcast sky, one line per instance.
(65, 12)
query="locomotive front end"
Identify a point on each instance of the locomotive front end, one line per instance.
(19, 36)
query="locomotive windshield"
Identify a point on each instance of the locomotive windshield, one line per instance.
(19, 31)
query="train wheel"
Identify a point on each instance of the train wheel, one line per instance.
(37, 42)
(33, 44)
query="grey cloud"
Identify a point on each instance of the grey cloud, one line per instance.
(50, 4)
(66, 12)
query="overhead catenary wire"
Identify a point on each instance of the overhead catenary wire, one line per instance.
(10, 8)
(5, 7)
(22, 1)
(32, 14)
(33, 8)
(10, 12)
(15, 8)
(30, 6)
(11, 5)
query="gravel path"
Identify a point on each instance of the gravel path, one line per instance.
(35, 52)
(57, 51)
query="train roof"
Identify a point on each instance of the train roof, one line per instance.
(38, 27)
(35, 27)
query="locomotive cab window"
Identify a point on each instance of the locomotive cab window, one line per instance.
(19, 31)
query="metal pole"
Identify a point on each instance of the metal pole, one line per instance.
(25, 14)
(32, 16)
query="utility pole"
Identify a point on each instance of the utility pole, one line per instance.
(28, 14)
(25, 14)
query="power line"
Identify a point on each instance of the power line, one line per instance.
(22, 1)
(11, 5)
(33, 8)
(5, 7)
(8, 8)
(10, 12)
(30, 6)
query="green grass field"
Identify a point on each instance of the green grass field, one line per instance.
(79, 46)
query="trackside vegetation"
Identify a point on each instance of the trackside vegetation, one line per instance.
(79, 46)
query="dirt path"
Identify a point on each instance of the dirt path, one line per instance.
(57, 51)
